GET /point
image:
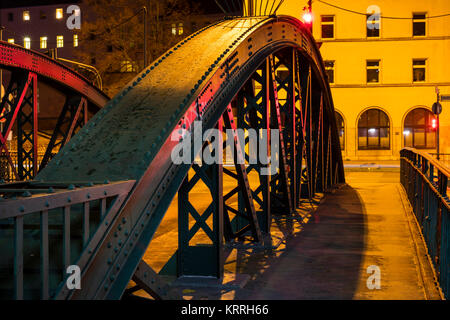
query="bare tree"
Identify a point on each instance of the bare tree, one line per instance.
(112, 35)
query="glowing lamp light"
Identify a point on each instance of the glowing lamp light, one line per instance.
(372, 131)
(433, 123)
(406, 132)
(307, 17)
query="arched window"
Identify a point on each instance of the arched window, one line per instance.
(418, 131)
(373, 130)
(341, 129)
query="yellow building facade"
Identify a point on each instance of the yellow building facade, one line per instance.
(384, 70)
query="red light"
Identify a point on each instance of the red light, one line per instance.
(434, 123)
(307, 17)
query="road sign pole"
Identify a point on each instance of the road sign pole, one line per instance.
(437, 135)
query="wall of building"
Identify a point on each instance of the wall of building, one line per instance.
(42, 23)
(396, 93)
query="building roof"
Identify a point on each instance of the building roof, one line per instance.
(209, 6)
(34, 3)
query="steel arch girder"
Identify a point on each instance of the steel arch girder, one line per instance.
(158, 178)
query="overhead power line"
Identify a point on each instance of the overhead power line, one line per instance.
(382, 17)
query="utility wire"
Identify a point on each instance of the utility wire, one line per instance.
(382, 17)
(281, 2)
(265, 8)
(221, 8)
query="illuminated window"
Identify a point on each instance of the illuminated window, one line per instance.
(27, 42)
(75, 40)
(126, 66)
(373, 24)
(11, 40)
(341, 129)
(180, 28)
(327, 27)
(26, 15)
(329, 69)
(59, 41)
(59, 13)
(419, 24)
(419, 70)
(43, 43)
(418, 131)
(174, 29)
(373, 130)
(373, 71)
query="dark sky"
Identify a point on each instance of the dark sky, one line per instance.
(209, 5)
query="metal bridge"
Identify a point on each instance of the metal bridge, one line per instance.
(100, 200)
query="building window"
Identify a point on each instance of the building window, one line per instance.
(10, 16)
(373, 71)
(373, 130)
(327, 27)
(180, 28)
(59, 13)
(419, 70)
(329, 69)
(341, 129)
(43, 43)
(174, 29)
(10, 40)
(126, 66)
(418, 131)
(373, 25)
(42, 15)
(27, 42)
(59, 41)
(75, 40)
(419, 24)
(26, 15)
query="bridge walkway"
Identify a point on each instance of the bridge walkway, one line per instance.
(365, 223)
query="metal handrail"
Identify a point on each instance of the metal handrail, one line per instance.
(425, 181)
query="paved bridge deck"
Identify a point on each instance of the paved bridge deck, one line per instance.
(364, 223)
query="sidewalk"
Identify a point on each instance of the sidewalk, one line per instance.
(379, 165)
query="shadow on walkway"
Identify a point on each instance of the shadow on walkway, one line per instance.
(322, 261)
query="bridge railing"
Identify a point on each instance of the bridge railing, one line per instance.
(425, 181)
(40, 236)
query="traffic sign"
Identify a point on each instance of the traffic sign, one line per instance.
(445, 97)
(436, 108)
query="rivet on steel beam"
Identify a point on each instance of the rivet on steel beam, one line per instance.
(119, 242)
(109, 261)
(109, 245)
(119, 227)
(126, 233)
(26, 194)
(68, 199)
(47, 204)
(22, 209)
(71, 187)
